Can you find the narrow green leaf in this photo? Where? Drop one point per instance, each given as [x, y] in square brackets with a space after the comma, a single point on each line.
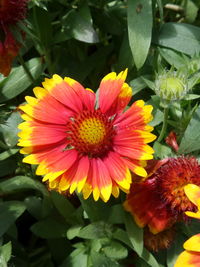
[5, 252]
[42, 27]
[175, 249]
[191, 138]
[18, 80]
[174, 58]
[8, 153]
[135, 234]
[19, 183]
[160, 7]
[9, 212]
[64, 207]
[137, 85]
[149, 258]
[140, 29]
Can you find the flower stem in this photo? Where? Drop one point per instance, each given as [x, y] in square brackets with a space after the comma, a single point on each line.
[26, 69]
[48, 62]
[164, 126]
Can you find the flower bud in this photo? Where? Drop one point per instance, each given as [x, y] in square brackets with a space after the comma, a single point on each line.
[171, 85]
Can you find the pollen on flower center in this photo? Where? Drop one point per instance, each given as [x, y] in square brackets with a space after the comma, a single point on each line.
[92, 130]
[91, 133]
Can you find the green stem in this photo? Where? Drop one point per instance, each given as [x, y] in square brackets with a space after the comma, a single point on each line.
[48, 62]
[164, 126]
[22, 62]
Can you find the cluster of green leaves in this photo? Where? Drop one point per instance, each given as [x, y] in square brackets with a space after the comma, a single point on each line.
[85, 39]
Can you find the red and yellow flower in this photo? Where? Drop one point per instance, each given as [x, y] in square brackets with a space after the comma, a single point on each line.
[79, 144]
[191, 256]
[160, 201]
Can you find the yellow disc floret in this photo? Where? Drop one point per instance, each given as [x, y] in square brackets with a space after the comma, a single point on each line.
[92, 131]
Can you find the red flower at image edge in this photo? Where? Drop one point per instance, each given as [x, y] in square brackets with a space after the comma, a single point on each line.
[160, 200]
[8, 51]
[82, 145]
[11, 11]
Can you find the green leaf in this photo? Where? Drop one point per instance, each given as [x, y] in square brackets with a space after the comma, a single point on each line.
[73, 231]
[9, 212]
[175, 249]
[95, 210]
[135, 234]
[5, 252]
[19, 183]
[9, 129]
[191, 96]
[78, 24]
[140, 29]
[182, 37]
[149, 258]
[116, 214]
[76, 257]
[42, 27]
[34, 206]
[160, 7]
[7, 166]
[64, 207]
[137, 85]
[18, 80]
[191, 11]
[125, 59]
[174, 58]
[8, 153]
[100, 260]
[122, 236]
[49, 228]
[191, 138]
[115, 251]
[162, 151]
[95, 230]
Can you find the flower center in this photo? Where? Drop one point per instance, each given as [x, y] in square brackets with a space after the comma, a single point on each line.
[91, 133]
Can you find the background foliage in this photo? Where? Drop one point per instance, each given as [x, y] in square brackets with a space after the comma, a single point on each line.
[85, 40]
